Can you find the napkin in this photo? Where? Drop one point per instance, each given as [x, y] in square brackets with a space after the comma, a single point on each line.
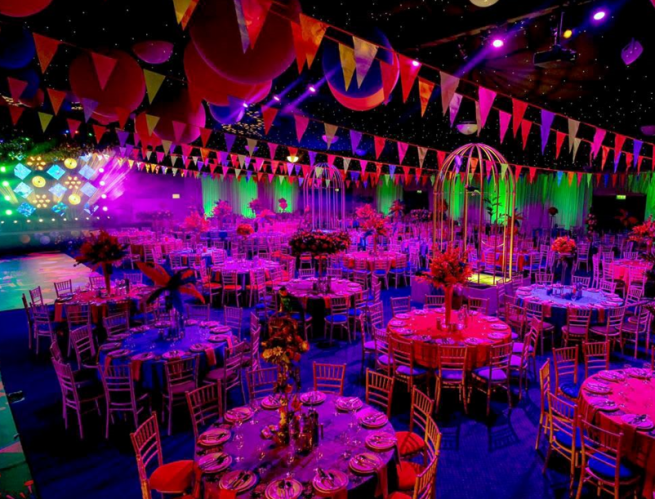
[135, 369]
[211, 355]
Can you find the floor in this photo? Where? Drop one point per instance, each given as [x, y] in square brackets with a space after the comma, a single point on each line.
[19, 275]
[481, 458]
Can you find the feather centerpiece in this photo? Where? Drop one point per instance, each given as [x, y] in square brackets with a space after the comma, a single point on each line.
[180, 283]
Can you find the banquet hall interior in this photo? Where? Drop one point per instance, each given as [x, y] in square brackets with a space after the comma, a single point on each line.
[292, 249]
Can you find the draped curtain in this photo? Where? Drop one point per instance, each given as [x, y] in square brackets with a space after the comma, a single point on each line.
[387, 194]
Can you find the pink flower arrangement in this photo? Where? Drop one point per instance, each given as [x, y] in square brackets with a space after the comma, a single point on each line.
[244, 230]
[371, 221]
[222, 209]
[283, 204]
[447, 270]
[196, 222]
[564, 245]
[397, 208]
[318, 242]
[255, 205]
[266, 215]
[643, 233]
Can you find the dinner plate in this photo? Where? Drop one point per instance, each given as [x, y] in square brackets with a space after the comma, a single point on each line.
[499, 327]
[373, 419]
[214, 462]
[313, 398]
[365, 463]
[121, 352]
[214, 436]
[330, 481]
[472, 341]
[604, 405]
[143, 356]
[396, 322]
[238, 414]
[284, 489]
[496, 336]
[611, 376]
[402, 316]
[270, 403]
[238, 481]
[599, 388]
[640, 421]
[491, 319]
[199, 347]
[110, 346]
[173, 354]
[347, 404]
[381, 441]
[636, 372]
[218, 338]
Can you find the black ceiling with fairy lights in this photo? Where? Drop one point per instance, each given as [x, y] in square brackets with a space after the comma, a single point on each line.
[599, 88]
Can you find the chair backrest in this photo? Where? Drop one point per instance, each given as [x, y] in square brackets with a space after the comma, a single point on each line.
[478, 304]
[566, 364]
[78, 314]
[425, 481]
[55, 352]
[582, 281]
[116, 324]
[261, 382]
[198, 312]
[329, 378]
[97, 281]
[135, 278]
[400, 305]
[63, 287]
[339, 305]
[603, 446]
[543, 278]
[36, 296]
[615, 318]
[515, 316]
[376, 314]
[545, 382]
[451, 358]
[422, 407]
[83, 344]
[500, 356]
[306, 273]
[432, 438]
[596, 357]
[434, 301]
[230, 278]
[119, 388]
[607, 286]
[178, 372]
[205, 405]
[67, 384]
[147, 447]
[563, 414]
[402, 352]
[234, 318]
[379, 390]
[578, 317]
[634, 294]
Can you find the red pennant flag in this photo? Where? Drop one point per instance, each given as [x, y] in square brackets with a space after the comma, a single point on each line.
[56, 99]
[268, 114]
[518, 171]
[606, 151]
[104, 67]
[301, 125]
[205, 133]
[441, 155]
[178, 129]
[504, 118]
[16, 87]
[619, 140]
[532, 173]
[123, 116]
[46, 48]
[15, 112]
[271, 150]
[409, 69]
[299, 45]
[518, 111]
[254, 13]
[389, 75]
[312, 31]
[425, 89]
[99, 131]
[379, 145]
[525, 131]
[73, 125]
[559, 140]
[486, 98]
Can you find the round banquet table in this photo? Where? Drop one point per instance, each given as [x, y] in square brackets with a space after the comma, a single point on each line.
[555, 306]
[146, 351]
[478, 335]
[342, 438]
[621, 268]
[351, 259]
[100, 304]
[188, 256]
[631, 395]
[165, 245]
[243, 268]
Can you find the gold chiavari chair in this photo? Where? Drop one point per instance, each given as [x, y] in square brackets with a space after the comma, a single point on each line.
[412, 442]
[329, 378]
[565, 361]
[205, 406]
[545, 387]
[379, 391]
[563, 433]
[452, 372]
[596, 356]
[496, 373]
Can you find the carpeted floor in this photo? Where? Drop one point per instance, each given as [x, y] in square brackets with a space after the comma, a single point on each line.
[480, 458]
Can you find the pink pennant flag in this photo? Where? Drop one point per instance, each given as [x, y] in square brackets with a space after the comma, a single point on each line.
[486, 98]
[504, 119]
[16, 87]
[518, 111]
[301, 125]
[271, 150]
[449, 85]
[454, 105]
[402, 150]
[599, 136]
[547, 118]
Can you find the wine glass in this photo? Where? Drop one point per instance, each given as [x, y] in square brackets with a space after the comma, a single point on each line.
[238, 439]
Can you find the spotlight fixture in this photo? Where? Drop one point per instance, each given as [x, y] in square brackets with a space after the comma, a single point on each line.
[416, 64]
[568, 33]
[312, 89]
[497, 43]
[292, 159]
[275, 97]
[599, 15]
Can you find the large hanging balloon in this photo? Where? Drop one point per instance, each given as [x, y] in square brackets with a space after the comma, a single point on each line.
[227, 115]
[215, 32]
[207, 84]
[371, 93]
[125, 88]
[16, 47]
[153, 51]
[22, 8]
[180, 119]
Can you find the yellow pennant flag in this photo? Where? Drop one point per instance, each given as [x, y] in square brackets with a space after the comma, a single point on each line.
[348, 63]
[45, 120]
[153, 83]
[151, 121]
[181, 6]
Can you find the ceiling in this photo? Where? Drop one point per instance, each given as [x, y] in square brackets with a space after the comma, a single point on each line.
[452, 35]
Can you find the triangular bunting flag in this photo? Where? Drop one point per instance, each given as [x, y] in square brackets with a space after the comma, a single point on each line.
[389, 75]
[153, 83]
[254, 14]
[205, 133]
[312, 34]
[73, 125]
[504, 119]
[402, 150]
[45, 119]
[449, 85]
[454, 105]
[425, 88]
[599, 136]
[409, 69]
[56, 99]
[518, 111]
[46, 48]
[422, 151]
[573, 132]
[229, 141]
[123, 115]
[330, 132]
[301, 125]
[379, 143]
[268, 113]
[547, 118]
[348, 64]
[365, 53]
[89, 106]
[99, 131]
[576, 145]
[181, 7]
[355, 139]
[559, 140]
[151, 122]
[486, 98]
[104, 67]
[16, 87]
[525, 131]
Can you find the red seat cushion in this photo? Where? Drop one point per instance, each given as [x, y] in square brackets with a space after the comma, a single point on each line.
[172, 478]
[409, 443]
[231, 287]
[407, 473]
[184, 387]
[398, 495]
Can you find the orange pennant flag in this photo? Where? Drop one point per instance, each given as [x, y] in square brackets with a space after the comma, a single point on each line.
[312, 33]
[425, 89]
[56, 99]
[348, 64]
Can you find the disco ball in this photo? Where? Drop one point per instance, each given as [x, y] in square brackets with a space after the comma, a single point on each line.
[483, 3]
[467, 128]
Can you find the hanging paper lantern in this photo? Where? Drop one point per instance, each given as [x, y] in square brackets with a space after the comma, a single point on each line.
[272, 54]
[227, 115]
[180, 119]
[16, 47]
[371, 93]
[125, 88]
[153, 51]
[70, 163]
[22, 8]
[207, 84]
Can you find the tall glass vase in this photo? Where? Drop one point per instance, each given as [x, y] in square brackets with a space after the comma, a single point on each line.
[448, 302]
[106, 272]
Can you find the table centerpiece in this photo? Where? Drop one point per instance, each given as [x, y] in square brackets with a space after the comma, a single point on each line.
[102, 250]
[565, 248]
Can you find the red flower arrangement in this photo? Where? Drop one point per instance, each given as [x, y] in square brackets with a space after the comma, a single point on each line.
[102, 250]
[447, 270]
[283, 204]
[244, 230]
[643, 233]
[552, 211]
[196, 222]
[222, 209]
[564, 245]
[318, 242]
[284, 345]
[397, 208]
[266, 215]
[255, 205]
[371, 221]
